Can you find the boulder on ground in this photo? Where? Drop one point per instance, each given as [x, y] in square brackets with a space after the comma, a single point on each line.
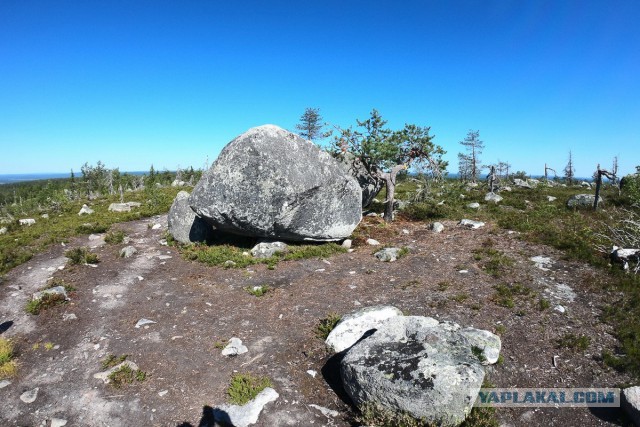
[355, 325]
[469, 223]
[56, 290]
[493, 197]
[271, 183]
[388, 254]
[268, 249]
[119, 207]
[85, 210]
[128, 252]
[583, 201]
[183, 223]
[415, 365]
[521, 183]
[247, 414]
[585, 184]
[28, 221]
[437, 227]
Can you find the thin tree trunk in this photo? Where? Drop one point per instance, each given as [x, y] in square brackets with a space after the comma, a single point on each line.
[390, 180]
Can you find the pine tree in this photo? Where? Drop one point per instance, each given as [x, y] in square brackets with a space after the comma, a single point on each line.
[569, 170]
[474, 147]
[311, 125]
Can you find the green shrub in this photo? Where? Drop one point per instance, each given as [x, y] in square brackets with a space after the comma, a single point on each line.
[114, 237]
[81, 255]
[126, 375]
[245, 387]
[574, 342]
[326, 325]
[35, 306]
[8, 366]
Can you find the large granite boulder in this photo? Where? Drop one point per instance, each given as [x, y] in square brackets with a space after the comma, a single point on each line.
[583, 201]
[354, 326]
[369, 183]
[184, 225]
[419, 366]
[271, 183]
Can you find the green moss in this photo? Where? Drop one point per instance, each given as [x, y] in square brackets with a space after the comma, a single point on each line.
[326, 325]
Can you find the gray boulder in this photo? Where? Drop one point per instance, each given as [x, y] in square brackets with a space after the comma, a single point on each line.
[493, 197]
[388, 254]
[521, 183]
[417, 366]
[119, 207]
[583, 201]
[128, 252]
[437, 227]
[183, 223]
[268, 249]
[469, 223]
[271, 183]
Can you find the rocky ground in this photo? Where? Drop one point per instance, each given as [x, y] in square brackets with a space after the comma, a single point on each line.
[196, 307]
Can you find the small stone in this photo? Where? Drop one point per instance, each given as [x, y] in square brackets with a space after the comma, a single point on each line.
[312, 373]
[119, 207]
[58, 422]
[437, 227]
[143, 322]
[388, 254]
[156, 226]
[559, 308]
[29, 396]
[234, 347]
[474, 205]
[471, 224]
[4, 383]
[373, 242]
[405, 231]
[551, 198]
[3, 230]
[346, 244]
[69, 316]
[163, 393]
[229, 263]
[29, 221]
[45, 216]
[58, 290]
[493, 197]
[128, 252]
[86, 210]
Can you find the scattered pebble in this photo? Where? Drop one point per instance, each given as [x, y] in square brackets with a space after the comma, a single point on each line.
[559, 308]
[143, 322]
[234, 347]
[29, 396]
[325, 411]
[163, 393]
[156, 226]
[4, 383]
[312, 373]
[373, 242]
[58, 422]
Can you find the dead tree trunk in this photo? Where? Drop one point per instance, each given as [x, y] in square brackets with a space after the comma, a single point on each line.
[599, 174]
[390, 181]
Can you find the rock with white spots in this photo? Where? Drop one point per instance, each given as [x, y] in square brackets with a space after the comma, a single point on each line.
[437, 227]
[128, 252]
[268, 249]
[493, 198]
[388, 254]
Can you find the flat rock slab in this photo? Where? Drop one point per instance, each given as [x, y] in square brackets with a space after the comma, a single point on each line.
[354, 325]
[245, 415]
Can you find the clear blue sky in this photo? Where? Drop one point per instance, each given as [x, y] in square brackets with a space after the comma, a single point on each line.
[133, 83]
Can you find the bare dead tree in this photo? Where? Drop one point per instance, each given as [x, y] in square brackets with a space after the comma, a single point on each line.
[546, 172]
[599, 174]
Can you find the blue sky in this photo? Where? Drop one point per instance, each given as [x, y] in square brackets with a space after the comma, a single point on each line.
[168, 83]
